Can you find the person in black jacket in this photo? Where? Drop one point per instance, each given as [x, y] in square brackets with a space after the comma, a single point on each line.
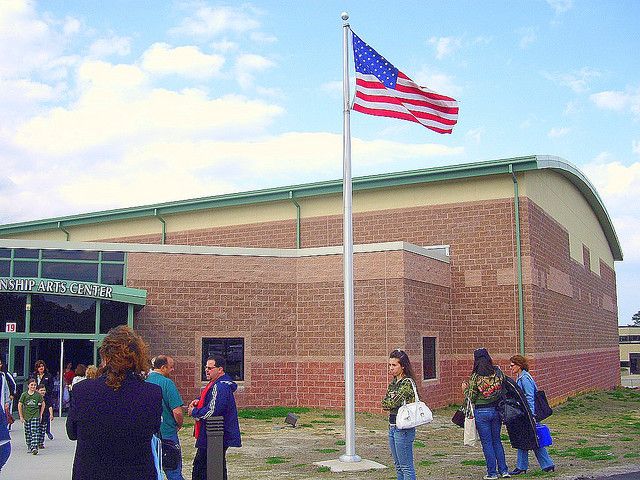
[114, 416]
[43, 377]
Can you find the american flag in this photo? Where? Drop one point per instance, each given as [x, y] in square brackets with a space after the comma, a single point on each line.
[383, 90]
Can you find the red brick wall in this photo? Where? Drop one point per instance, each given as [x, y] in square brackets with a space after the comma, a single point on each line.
[569, 310]
[290, 312]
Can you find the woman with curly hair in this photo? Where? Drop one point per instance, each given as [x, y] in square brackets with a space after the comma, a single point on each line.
[114, 416]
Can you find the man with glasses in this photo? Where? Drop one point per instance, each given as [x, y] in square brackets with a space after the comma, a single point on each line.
[215, 400]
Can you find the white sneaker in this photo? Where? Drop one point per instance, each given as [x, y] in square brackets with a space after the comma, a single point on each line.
[505, 475]
[490, 477]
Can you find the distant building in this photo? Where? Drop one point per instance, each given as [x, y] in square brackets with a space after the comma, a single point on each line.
[513, 255]
[630, 348]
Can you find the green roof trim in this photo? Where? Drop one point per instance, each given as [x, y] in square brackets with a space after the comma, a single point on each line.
[427, 175]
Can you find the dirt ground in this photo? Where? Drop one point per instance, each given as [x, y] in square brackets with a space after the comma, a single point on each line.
[592, 433]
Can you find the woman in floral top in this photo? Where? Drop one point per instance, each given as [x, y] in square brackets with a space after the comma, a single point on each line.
[400, 391]
[484, 389]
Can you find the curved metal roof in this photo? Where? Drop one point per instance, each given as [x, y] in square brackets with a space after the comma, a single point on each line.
[427, 175]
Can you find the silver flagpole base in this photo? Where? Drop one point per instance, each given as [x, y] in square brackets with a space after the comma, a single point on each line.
[350, 458]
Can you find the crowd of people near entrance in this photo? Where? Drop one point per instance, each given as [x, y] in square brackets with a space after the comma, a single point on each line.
[126, 415]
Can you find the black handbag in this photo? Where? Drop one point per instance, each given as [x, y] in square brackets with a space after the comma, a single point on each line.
[509, 410]
[543, 410]
[170, 455]
[458, 417]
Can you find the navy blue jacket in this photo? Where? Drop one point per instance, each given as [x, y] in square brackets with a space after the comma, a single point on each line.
[220, 401]
[114, 429]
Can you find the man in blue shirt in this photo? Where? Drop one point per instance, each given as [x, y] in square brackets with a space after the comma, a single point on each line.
[172, 417]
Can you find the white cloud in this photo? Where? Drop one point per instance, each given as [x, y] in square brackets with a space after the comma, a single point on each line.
[635, 146]
[117, 106]
[528, 35]
[578, 81]
[27, 41]
[209, 22]
[619, 187]
[558, 132]
[445, 46]
[187, 61]
[261, 37]
[438, 82]
[561, 6]
[247, 65]
[224, 46]
[475, 134]
[112, 45]
[618, 101]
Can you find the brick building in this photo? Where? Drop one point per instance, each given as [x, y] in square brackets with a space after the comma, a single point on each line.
[514, 255]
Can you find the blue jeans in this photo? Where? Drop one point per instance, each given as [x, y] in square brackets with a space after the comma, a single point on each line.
[488, 424]
[541, 454]
[401, 446]
[177, 473]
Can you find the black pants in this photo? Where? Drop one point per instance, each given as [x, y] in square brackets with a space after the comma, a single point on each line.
[199, 471]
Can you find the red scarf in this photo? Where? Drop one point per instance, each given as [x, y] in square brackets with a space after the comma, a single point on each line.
[196, 431]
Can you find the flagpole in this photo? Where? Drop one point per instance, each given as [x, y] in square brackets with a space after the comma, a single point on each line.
[349, 360]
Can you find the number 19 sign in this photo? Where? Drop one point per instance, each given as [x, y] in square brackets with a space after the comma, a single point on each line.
[10, 327]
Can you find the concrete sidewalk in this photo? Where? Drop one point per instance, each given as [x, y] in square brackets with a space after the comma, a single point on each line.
[52, 463]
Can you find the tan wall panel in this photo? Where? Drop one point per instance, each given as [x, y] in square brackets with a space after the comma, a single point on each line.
[565, 204]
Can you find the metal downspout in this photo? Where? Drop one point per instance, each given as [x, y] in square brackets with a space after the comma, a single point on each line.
[297, 218]
[64, 231]
[516, 206]
[164, 225]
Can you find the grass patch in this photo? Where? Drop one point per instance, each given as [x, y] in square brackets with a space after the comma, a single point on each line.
[478, 463]
[340, 442]
[581, 441]
[504, 438]
[631, 455]
[419, 444]
[276, 460]
[269, 413]
[626, 439]
[322, 421]
[300, 465]
[327, 450]
[585, 453]
[323, 469]
[426, 463]
[439, 454]
[331, 415]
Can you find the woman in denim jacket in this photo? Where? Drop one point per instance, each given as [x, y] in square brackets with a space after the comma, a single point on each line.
[400, 391]
[520, 369]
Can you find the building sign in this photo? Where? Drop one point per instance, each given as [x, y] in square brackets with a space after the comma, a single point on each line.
[10, 327]
[58, 287]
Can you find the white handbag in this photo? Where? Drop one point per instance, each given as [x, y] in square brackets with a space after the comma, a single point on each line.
[470, 430]
[411, 415]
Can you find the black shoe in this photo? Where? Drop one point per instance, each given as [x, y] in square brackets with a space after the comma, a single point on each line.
[517, 471]
[552, 468]
[50, 436]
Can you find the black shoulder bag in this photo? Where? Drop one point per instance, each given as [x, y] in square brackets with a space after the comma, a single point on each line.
[543, 410]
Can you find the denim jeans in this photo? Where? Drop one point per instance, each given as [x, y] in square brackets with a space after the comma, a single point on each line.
[488, 424]
[401, 446]
[5, 452]
[541, 454]
[177, 473]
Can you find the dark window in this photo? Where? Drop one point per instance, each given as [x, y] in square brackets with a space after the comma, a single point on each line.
[83, 272]
[5, 268]
[112, 314]
[112, 274]
[428, 357]
[231, 349]
[5, 253]
[13, 308]
[62, 314]
[113, 256]
[624, 338]
[70, 254]
[25, 269]
[25, 253]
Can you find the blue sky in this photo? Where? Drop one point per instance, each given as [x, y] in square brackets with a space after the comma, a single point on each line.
[123, 103]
